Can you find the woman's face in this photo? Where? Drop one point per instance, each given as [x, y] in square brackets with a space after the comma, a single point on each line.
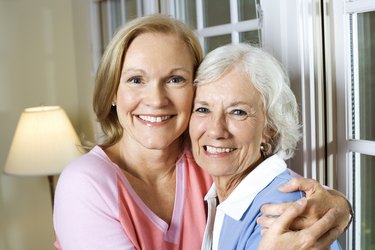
[155, 93]
[227, 125]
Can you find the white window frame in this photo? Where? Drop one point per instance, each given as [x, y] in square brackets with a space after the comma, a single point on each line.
[347, 147]
[291, 32]
[233, 28]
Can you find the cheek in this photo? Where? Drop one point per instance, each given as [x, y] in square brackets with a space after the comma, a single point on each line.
[126, 100]
[250, 137]
[185, 100]
[196, 127]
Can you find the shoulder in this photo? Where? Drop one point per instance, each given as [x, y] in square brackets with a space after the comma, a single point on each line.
[93, 165]
[90, 175]
[271, 193]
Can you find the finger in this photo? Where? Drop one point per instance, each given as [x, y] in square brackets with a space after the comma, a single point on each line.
[266, 222]
[322, 226]
[283, 222]
[302, 184]
[263, 231]
[328, 238]
[302, 222]
[274, 209]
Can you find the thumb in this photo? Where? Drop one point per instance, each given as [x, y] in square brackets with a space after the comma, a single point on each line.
[290, 186]
[307, 185]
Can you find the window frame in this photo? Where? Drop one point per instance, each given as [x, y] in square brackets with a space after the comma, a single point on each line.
[346, 64]
[234, 28]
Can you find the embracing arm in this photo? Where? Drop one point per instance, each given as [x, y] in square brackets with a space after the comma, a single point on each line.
[319, 202]
[320, 235]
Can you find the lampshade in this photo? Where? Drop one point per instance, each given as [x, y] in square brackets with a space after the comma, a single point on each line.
[44, 142]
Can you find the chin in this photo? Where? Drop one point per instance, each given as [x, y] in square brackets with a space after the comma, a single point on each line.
[158, 144]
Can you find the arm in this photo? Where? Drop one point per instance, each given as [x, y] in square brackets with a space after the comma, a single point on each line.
[85, 212]
[319, 202]
[318, 236]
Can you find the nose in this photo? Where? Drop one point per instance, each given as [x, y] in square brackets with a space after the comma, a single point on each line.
[156, 96]
[218, 128]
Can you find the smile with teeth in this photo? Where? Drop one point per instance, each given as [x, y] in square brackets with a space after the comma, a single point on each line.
[154, 118]
[214, 150]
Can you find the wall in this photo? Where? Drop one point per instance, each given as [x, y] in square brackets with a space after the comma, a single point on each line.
[44, 59]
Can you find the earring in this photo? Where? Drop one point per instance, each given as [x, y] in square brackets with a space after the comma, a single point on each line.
[113, 104]
[266, 149]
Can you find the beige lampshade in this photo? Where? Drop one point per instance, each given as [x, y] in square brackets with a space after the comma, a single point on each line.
[43, 144]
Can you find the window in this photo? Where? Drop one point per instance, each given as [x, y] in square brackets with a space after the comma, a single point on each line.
[216, 22]
[355, 74]
[219, 22]
[362, 124]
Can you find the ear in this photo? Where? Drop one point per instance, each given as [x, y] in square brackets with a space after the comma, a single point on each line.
[268, 134]
[114, 103]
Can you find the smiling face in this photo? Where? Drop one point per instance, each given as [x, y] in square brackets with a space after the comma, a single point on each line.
[227, 125]
[155, 93]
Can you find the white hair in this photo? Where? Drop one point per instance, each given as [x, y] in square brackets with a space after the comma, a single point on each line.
[269, 78]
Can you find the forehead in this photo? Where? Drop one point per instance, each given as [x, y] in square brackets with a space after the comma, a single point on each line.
[158, 44]
[233, 86]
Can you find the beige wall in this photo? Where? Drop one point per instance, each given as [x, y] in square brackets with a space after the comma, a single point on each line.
[44, 59]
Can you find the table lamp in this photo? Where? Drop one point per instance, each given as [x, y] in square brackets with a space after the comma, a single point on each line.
[43, 144]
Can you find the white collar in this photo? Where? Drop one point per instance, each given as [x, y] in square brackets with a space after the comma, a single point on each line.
[239, 200]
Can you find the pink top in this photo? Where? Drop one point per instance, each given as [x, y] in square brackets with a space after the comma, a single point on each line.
[96, 208]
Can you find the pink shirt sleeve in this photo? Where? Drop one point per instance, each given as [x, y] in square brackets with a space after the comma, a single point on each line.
[86, 207]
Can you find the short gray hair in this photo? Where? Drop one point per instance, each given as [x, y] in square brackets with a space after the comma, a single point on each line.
[270, 79]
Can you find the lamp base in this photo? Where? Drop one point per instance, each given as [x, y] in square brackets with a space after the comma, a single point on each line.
[51, 183]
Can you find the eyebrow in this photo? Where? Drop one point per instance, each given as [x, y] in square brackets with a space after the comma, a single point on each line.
[201, 103]
[144, 72]
[236, 103]
[132, 70]
[240, 103]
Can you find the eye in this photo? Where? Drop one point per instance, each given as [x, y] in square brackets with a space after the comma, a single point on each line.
[176, 80]
[135, 80]
[238, 112]
[201, 110]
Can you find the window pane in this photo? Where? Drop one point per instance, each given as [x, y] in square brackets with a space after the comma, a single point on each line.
[367, 201]
[213, 42]
[216, 12]
[246, 10]
[116, 12]
[130, 9]
[122, 12]
[251, 37]
[364, 109]
[186, 12]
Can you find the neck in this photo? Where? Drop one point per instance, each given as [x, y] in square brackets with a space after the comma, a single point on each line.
[226, 184]
[148, 165]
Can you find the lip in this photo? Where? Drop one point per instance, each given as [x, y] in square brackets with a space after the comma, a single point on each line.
[154, 120]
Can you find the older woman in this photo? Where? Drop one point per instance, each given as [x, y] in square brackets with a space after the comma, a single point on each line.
[244, 125]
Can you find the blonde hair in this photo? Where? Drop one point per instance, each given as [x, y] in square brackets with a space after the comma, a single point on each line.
[109, 71]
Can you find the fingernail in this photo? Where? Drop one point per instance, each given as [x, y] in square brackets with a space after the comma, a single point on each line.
[301, 201]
